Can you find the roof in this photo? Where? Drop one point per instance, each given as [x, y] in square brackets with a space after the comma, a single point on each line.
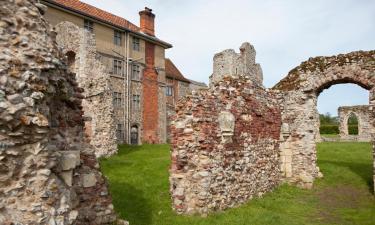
[172, 72]
[104, 16]
[198, 83]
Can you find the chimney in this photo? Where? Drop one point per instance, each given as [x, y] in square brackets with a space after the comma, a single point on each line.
[147, 21]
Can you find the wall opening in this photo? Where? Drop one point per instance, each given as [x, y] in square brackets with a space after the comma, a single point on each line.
[70, 59]
[329, 103]
[134, 135]
[352, 124]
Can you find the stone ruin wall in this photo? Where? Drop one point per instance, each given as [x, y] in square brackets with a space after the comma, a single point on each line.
[230, 63]
[362, 112]
[216, 136]
[100, 127]
[225, 143]
[298, 93]
[48, 174]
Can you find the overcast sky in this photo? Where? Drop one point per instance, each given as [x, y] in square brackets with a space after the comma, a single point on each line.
[284, 33]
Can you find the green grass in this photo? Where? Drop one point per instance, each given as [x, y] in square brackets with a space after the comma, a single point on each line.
[138, 178]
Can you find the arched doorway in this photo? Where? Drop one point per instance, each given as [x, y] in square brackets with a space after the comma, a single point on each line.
[298, 97]
[71, 59]
[134, 135]
[353, 124]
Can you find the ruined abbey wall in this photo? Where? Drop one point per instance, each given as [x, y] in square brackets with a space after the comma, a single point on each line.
[362, 112]
[225, 143]
[298, 94]
[48, 173]
[78, 45]
[238, 140]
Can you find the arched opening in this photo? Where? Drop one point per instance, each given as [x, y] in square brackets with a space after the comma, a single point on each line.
[352, 124]
[300, 117]
[337, 107]
[134, 135]
[70, 60]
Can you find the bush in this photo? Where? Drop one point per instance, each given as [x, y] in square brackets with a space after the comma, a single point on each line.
[353, 129]
[334, 129]
[329, 129]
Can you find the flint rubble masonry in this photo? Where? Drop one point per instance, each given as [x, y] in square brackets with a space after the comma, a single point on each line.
[238, 140]
[100, 126]
[44, 158]
[225, 140]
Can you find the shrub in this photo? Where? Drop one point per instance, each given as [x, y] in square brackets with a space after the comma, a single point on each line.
[334, 129]
[353, 129]
[329, 129]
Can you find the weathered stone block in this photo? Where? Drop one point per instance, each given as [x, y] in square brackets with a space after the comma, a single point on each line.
[67, 176]
[69, 160]
[88, 180]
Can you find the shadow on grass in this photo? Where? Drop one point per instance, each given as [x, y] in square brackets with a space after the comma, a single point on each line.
[130, 203]
[363, 170]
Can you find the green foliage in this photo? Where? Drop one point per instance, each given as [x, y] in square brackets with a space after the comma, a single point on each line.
[138, 179]
[353, 129]
[352, 119]
[329, 129]
[327, 119]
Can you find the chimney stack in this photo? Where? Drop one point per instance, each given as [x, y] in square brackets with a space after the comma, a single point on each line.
[147, 21]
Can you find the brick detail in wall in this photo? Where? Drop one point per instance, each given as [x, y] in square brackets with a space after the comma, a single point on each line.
[150, 94]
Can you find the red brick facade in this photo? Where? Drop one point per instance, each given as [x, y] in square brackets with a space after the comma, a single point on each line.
[150, 95]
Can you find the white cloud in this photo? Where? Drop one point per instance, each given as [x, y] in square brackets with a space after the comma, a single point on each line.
[284, 33]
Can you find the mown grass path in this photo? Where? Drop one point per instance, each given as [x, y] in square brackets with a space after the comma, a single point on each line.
[138, 178]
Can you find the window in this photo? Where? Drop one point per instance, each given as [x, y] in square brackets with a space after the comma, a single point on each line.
[136, 72]
[88, 25]
[117, 38]
[136, 102]
[136, 46]
[117, 67]
[117, 99]
[120, 132]
[169, 91]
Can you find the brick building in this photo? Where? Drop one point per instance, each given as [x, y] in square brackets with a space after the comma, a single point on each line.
[135, 61]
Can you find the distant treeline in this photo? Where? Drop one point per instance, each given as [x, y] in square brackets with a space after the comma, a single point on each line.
[330, 124]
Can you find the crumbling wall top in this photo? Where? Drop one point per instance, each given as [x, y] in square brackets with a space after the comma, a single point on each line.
[230, 63]
[310, 70]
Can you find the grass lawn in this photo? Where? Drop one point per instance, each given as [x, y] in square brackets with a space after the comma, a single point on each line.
[138, 178]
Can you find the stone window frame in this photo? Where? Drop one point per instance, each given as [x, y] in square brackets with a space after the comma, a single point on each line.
[117, 67]
[117, 37]
[88, 25]
[169, 91]
[136, 71]
[136, 102]
[117, 99]
[136, 44]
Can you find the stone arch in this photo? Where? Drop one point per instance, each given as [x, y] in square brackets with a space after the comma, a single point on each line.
[362, 112]
[79, 46]
[298, 93]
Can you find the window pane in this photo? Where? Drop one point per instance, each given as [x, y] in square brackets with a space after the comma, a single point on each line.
[88, 25]
[117, 38]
